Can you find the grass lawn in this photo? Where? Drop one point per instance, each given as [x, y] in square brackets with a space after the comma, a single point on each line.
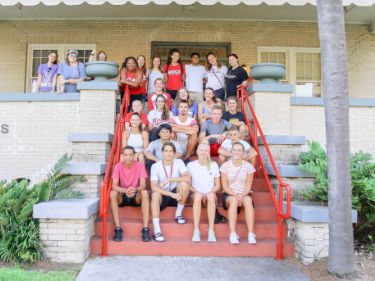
[18, 274]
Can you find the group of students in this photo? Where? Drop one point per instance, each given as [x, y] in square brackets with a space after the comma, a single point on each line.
[161, 143]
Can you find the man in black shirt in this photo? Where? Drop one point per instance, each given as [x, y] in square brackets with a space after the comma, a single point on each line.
[235, 117]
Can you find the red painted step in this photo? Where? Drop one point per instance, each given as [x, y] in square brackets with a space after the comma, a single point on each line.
[182, 247]
[170, 229]
[262, 213]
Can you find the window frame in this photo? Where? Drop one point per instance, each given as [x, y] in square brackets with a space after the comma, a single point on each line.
[62, 49]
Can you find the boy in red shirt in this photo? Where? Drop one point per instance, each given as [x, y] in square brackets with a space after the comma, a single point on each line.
[129, 189]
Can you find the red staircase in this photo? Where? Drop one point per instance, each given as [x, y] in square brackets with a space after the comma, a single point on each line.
[269, 227]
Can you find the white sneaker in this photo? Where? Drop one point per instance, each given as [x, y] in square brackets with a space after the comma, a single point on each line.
[251, 238]
[211, 236]
[233, 238]
[196, 236]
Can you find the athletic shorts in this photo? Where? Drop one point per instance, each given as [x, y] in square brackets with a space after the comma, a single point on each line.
[128, 201]
[167, 201]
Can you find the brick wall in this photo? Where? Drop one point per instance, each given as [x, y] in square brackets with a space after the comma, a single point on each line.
[37, 136]
[123, 38]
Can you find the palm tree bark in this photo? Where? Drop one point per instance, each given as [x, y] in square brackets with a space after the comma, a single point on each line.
[336, 108]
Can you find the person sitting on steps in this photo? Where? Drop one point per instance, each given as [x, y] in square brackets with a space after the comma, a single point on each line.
[236, 179]
[129, 189]
[186, 129]
[225, 150]
[170, 183]
[205, 183]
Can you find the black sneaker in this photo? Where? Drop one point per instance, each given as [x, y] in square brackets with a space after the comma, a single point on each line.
[118, 234]
[146, 234]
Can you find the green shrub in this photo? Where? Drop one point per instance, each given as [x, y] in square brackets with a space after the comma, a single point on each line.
[19, 232]
[315, 162]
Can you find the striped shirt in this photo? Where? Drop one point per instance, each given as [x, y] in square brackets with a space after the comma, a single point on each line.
[237, 184]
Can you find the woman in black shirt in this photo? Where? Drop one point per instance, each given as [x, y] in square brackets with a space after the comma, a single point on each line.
[235, 76]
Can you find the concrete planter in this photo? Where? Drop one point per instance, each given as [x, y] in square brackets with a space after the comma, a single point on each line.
[268, 72]
[101, 70]
[309, 230]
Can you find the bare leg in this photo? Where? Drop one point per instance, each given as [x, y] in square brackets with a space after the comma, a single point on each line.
[143, 198]
[183, 190]
[211, 208]
[190, 146]
[232, 204]
[114, 196]
[141, 157]
[249, 213]
[197, 206]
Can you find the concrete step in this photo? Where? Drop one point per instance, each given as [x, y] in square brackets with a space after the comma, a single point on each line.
[183, 247]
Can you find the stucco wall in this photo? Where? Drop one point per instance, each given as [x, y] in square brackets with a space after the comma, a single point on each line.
[122, 38]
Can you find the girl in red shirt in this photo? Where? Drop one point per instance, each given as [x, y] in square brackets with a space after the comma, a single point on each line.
[132, 76]
[159, 90]
[141, 60]
[174, 73]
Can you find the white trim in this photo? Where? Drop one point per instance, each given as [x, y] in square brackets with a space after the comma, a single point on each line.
[179, 2]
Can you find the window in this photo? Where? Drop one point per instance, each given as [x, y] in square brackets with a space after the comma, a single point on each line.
[302, 64]
[186, 48]
[38, 54]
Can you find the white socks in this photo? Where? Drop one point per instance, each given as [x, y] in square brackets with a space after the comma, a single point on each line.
[179, 210]
[155, 221]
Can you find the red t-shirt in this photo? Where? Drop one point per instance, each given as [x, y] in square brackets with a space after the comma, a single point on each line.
[143, 117]
[152, 101]
[130, 76]
[174, 76]
[129, 177]
[144, 82]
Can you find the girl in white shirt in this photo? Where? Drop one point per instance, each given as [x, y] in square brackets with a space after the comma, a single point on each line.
[237, 178]
[205, 177]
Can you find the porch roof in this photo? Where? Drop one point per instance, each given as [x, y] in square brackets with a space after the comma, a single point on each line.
[356, 11]
[179, 2]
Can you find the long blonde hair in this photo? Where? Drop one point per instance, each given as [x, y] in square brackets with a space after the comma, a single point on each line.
[208, 157]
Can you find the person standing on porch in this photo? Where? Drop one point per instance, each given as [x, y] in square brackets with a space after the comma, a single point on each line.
[47, 74]
[154, 73]
[170, 183]
[235, 76]
[132, 76]
[186, 129]
[195, 75]
[129, 189]
[205, 184]
[141, 60]
[174, 73]
[71, 71]
[159, 90]
[215, 73]
[236, 179]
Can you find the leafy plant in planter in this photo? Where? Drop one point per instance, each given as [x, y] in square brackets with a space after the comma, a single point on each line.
[315, 162]
[19, 232]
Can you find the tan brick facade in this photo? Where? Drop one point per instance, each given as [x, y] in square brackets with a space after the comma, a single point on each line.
[123, 38]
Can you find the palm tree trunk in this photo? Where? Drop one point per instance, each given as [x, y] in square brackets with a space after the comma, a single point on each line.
[336, 109]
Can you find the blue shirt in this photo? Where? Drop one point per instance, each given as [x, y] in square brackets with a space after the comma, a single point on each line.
[71, 72]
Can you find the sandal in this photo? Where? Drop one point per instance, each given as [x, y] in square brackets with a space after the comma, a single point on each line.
[180, 220]
[158, 237]
[219, 218]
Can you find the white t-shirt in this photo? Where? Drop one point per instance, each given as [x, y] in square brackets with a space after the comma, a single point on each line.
[194, 77]
[190, 122]
[154, 117]
[227, 145]
[203, 178]
[159, 175]
[212, 81]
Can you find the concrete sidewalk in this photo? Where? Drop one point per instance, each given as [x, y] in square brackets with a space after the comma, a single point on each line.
[127, 268]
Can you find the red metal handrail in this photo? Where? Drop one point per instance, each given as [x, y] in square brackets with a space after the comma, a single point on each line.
[244, 99]
[114, 157]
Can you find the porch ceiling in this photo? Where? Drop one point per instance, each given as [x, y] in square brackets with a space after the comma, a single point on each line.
[285, 12]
